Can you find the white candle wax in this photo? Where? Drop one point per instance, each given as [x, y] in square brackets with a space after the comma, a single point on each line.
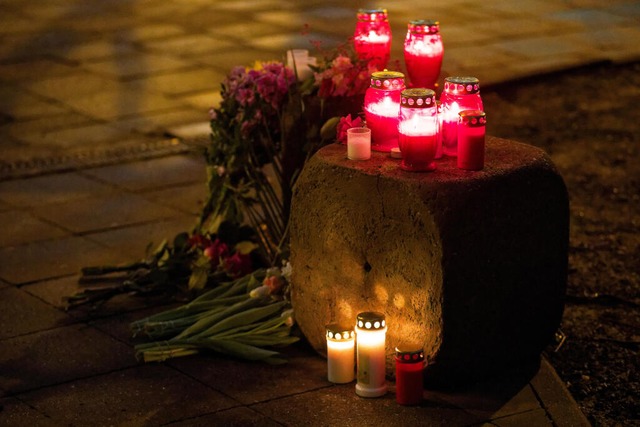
[359, 143]
[371, 357]
[341, 361]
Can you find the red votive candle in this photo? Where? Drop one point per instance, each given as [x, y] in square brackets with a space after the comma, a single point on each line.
[423, 53]
[409, 375]
[382, 109]
[459, 94]
[471, 133]
[372, 37]
[417, 130]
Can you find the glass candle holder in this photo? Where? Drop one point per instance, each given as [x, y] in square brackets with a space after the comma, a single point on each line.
[340, 354]
[359, 143]
[418, 129]
[439, 134]
[459, 93]
[409, 375]
[371, 330]
[372, 37]
[471, 134]
[382, 109]
[423, 52]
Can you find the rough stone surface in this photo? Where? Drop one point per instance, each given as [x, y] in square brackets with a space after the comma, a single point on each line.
[472, 265]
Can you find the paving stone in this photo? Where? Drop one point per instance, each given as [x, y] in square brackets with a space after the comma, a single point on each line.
[536, 418]
[124, 310]
[112, 105]
[22, 313]
[136, 65]
[159, 123]
[73, 137]
[134, 240]
[17, 413]
[365, 237]
[556, 399]
[185, 82]
[188, 198]
[20, 105]
[33, 69]
[189, 45]
[156, 173]
[36, 128]
[115, 210]
[300, 374]
[59, 355]
[78, 85]
[144, 395]
[42, 190]
[25, 228]
[235, 417]
[340, 406]
[52, 258]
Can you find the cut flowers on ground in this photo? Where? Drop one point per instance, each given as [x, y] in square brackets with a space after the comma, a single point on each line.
[232, 267]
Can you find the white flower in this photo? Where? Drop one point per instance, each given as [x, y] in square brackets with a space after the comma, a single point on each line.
[260, 292]
[289, 315]
[286, 270]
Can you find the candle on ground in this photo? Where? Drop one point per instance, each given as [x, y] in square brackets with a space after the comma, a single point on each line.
[371, 332]
[340, 354]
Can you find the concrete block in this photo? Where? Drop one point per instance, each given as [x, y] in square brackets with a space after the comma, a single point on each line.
[472, 265]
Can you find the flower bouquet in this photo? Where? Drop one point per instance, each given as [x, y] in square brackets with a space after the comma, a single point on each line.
[233, 262]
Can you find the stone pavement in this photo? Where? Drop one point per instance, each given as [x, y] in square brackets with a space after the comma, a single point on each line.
[95, 97]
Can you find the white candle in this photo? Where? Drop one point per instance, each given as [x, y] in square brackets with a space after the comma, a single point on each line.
[299, 60]
[371, 332]
[359, 143]
[340, 354]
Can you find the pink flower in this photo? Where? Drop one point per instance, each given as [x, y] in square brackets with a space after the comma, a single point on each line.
[237, 265]
[198, 241]
[215, 251]
[344, 124]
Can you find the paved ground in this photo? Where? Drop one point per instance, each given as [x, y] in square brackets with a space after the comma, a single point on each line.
[88, 85]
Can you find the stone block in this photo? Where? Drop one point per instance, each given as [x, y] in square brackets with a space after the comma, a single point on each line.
[472, 265]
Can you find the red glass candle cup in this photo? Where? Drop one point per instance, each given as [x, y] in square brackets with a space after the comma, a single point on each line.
[418, 129]
[459, 93]
[423, 53]
[471, 132]
[382, 109]
[409, 375]
[372, 37]
[439, 134]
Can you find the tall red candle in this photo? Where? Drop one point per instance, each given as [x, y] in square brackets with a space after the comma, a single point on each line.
[382, 108]
[423, 53]
[460, 93]
[471, 133]
[409, 375]
[418, 129]
[372, 37]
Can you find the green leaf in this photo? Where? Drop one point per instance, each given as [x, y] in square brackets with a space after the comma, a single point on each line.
[245, 248]
[245, 317]
[200, 273]
[328, 130]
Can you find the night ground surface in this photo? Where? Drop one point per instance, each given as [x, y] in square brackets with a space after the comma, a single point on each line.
[588, 120]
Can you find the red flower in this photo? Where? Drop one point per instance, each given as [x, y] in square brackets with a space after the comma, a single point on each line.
[274, 283]
[199, 241]
[344, 124]
[215, 251]
[237, 265]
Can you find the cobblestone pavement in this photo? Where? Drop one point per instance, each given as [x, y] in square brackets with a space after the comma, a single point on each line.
[87, 85]
[86, 81]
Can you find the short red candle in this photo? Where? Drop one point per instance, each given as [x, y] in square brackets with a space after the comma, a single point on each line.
[372, 37]
[382, 108]
[423, 53]
[409, 375]
[418, 129]
[471, 133]
[460, 93]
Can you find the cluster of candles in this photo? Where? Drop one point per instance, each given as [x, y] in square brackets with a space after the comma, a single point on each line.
[411, 121]
[368, 340]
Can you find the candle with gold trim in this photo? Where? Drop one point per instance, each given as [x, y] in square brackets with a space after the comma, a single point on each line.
[340, 354]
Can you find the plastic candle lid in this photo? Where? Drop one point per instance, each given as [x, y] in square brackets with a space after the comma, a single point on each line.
[339, 332]
[371, 320]
[473, 118]
[410, 354]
